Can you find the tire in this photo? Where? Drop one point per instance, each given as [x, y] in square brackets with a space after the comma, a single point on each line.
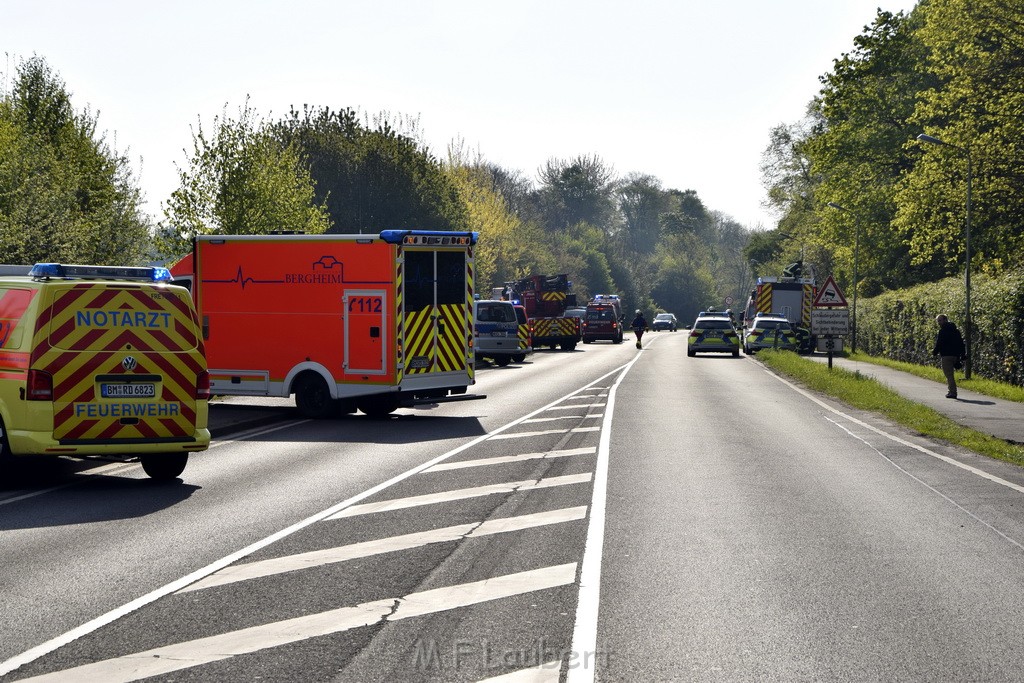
[736, 352]
[691, 354]
[313, 398]
[7, 459]
[519, 358]
[568, 346]
[164, 466]
[618, 339]
[588, 340]
[379, 405]
[502, 361]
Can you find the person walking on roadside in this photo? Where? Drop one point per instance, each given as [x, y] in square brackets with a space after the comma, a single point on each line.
[949, 347]
[639, 324]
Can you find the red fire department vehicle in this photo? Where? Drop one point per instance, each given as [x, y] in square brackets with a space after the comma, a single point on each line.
[545, 298]
[343, 322]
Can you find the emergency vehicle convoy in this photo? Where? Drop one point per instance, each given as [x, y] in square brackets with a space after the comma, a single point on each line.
[101, 361]
[546, 297]
[791, 296]
[343, 322]
[603, 319]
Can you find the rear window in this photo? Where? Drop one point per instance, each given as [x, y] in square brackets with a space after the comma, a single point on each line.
[496, 313]
[713, 324]
[601, 314]
[87, 317]
[771, 325]
[13, 304]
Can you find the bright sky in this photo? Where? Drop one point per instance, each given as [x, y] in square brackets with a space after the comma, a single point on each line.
[683, 90]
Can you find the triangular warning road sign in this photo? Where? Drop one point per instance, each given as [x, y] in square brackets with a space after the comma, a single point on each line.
[830, 294]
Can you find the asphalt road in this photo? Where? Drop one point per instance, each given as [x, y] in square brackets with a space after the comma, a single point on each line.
[602, 514]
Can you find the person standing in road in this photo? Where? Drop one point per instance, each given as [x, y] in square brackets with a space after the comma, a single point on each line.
[949, 347]
[639, 325]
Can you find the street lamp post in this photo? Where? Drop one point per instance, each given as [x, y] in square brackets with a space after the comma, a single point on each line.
[856, 250]
[967, 248]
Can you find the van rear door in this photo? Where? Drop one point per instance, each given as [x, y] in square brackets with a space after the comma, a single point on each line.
[125, 361]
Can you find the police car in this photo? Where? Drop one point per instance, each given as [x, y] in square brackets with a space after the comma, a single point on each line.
[713, 332]
[770, 331]
[101, 361]
[496, 331]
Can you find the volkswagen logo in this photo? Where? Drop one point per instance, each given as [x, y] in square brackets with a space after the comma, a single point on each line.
[129, 363]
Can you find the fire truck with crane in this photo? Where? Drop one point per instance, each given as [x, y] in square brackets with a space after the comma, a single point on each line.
[791, 295]
[545, 298]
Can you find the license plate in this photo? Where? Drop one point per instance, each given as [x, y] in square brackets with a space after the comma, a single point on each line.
[499, 333]
[139, 390]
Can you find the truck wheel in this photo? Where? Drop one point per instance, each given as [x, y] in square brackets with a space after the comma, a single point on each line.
[502, 361]
[312, 397]
[568, 346]
[379, 405]
[618, 339]
[587, 340]
[164, 466]
[519, 357]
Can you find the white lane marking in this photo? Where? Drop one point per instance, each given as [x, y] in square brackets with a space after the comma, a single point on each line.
[164, 660]
[38, 651]
[548, 672]
[577, 406]
[319, 558]
[460, 494]
[502, 459]
[579, 397]
[577, 430]
[524, 435]
[564, 417]
[584, 635]
[892, 437]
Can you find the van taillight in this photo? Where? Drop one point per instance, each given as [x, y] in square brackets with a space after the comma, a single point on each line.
[40, 386]
[203, 385]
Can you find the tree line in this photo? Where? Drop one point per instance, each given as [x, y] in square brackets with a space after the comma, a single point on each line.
[852, 181]
[67, 195]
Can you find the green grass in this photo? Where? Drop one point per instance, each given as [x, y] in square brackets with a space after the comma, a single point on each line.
[868, 394]
[1007, 392]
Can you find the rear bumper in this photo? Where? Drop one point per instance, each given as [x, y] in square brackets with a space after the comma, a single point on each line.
[43, 443]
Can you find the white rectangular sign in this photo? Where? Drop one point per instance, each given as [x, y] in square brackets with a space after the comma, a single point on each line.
[835, 321]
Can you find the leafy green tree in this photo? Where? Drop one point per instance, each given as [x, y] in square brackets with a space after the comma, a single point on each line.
[857, 155]
[240, 180]
[976, 50]
[65, 195]
[372, 180]
[642, 202]
[579, 190]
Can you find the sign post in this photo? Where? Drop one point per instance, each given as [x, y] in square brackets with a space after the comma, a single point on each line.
[830, 316]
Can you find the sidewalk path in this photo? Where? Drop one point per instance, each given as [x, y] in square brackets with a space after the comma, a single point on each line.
[986, 414]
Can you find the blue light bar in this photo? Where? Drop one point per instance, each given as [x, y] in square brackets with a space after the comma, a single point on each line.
[59, 271]
[429, 237]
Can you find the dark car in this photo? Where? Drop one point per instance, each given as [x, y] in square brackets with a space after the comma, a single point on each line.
[665, 321]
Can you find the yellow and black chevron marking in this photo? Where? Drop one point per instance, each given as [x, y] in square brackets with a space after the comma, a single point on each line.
[467, 329]
[419, 341]
[524, 336]
[403, 351]
[449, 352]
[552, 296]
[764, 299]
[554, 327]
[93, 330]
[805, 309]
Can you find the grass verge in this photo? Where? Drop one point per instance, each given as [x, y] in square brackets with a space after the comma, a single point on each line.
[1007, 392]
[868, 394]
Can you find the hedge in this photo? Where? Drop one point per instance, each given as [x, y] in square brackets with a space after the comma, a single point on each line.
[901, 324]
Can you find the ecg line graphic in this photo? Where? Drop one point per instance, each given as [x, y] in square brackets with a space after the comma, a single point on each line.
[324, 263]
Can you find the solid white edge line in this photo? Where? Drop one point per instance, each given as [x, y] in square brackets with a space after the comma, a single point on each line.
[892, 437]
[88, 627]
[584, 636]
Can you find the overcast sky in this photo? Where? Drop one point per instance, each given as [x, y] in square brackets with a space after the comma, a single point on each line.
[683, 90]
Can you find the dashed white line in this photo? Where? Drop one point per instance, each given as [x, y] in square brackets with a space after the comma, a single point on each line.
[164, 660]
[460, 494]
[319, 558]
[503, 459]
[564, 417]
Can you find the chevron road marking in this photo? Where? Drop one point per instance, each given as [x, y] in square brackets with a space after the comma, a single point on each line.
[318, 558]
[502, 459]
[164, 660]
[460, 494]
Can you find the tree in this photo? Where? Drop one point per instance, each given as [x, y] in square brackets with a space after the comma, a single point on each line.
[65, 195]
[240, 180]
[642, 202]
[576, 191]
[976, 50]
[372, 179]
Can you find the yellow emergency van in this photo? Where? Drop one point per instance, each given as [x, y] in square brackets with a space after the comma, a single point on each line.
[101, 361]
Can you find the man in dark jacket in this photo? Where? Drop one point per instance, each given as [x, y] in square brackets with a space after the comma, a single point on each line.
[949, 347]
[639, 326]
